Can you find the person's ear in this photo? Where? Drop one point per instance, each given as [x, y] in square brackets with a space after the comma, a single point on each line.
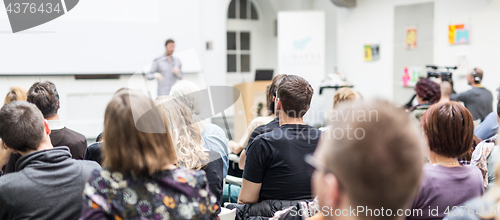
[278, 104]
[46, 127]
[274, 98]
[58, 104]
[334, 192]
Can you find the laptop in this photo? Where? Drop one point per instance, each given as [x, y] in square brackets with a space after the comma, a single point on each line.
[264, 75]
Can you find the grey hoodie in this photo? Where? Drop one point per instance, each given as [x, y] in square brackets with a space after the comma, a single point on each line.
[48, 184]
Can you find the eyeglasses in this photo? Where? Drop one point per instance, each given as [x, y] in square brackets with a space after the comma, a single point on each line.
[314, 164]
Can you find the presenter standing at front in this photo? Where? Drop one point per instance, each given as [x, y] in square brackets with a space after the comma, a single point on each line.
[166, 69]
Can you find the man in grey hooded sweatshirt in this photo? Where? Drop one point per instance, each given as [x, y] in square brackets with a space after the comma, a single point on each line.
[48, 183]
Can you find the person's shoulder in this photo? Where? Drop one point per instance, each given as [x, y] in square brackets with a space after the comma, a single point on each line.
[95, 146]
[11, 181]
[476, 205]
[194, 178]
[160, 58]
[88, 166]
[73, 135]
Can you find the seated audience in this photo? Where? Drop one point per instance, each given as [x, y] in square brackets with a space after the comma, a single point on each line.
[237, 147]
[186, 136]
[16, 93]
[213, 137]
[93, 151]
[48, 183]
[428, 93]
[274, 167]
[343, 95]
[488, 128]
[140, 180]
[477, 100]
[448, 128]
[380, 171]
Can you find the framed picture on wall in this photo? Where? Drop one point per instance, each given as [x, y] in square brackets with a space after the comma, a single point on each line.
[411, 38]
[459, 34]
[372, 52]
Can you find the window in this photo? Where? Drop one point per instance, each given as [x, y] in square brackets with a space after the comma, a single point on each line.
[238, 52]
[242, 9]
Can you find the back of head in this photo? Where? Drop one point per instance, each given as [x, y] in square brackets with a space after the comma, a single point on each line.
[21, 126]
[449, 128]
[477, 75]
[187, 92]
[45, 96]
[135, 146]
[344, 94]
[446, 89]
[185, 132]
[271, 92]
[428, 90]
[295, 94]
[379, 164]
[16, 93]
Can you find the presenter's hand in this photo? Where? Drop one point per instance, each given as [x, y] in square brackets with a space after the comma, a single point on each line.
[4, 154]
[158, 76]
[176, 70]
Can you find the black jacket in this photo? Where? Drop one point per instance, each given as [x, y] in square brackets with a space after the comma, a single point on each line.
[261, 210]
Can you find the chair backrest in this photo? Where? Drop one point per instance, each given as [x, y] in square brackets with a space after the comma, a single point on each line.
[227, 214]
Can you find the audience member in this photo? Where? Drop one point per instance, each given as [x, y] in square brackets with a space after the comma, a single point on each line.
[274, 167]
[237, 147]
[428, 93]
[48, 183]
[140, 179]
[94, 151]
[16, 93]
[186, 136]
[478, 100]
[379, 171]
[213, 137]
[446, 91]
[449, 132]
[45, 96]
[488, 128]
[344, 94]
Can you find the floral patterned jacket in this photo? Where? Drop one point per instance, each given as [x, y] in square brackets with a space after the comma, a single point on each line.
[169, 194]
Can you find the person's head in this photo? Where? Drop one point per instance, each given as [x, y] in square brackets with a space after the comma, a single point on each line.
[45, 96]
[294, 96]
[427, 91]
[446, 90]
[449, 129]
[343, 95]
[271, 93]
[22, 126]
[379, 164]
[475, 76]
[169, 47]
[135, 147]
[16, 93]
[185, 132]
[188, 93]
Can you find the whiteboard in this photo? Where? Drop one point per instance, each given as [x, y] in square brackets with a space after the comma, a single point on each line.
[103, 37]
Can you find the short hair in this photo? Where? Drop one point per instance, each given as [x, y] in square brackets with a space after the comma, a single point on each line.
[271, 92]
[380, 165]
[449, 128]
[446, 89]
[45, 96]
[21, 126]
[428, 90]
[477, 73]
[295, 94]
[169, 41]
[16, 93]
[344, 94]
[138, 148]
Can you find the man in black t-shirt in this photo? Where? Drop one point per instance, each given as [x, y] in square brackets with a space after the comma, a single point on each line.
[256, 132]
[275, 168]
[478, 100]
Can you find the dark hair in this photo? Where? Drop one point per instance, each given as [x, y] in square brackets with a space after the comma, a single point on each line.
[271, 92]
[382, 165]
[449, 128]
[498, 102]
[21, 126]
[169, 41]
[295, 94]
[428, 90]
[45, 96]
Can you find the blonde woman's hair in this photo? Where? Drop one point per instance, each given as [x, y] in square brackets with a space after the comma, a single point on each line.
[186, 133]
[16, 93]
[344, 94]
[189, 94]
[137, 147]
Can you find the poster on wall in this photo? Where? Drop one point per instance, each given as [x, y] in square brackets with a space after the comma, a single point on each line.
[411, 38]
[372, 52]
[458, 34]
[412, 75]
